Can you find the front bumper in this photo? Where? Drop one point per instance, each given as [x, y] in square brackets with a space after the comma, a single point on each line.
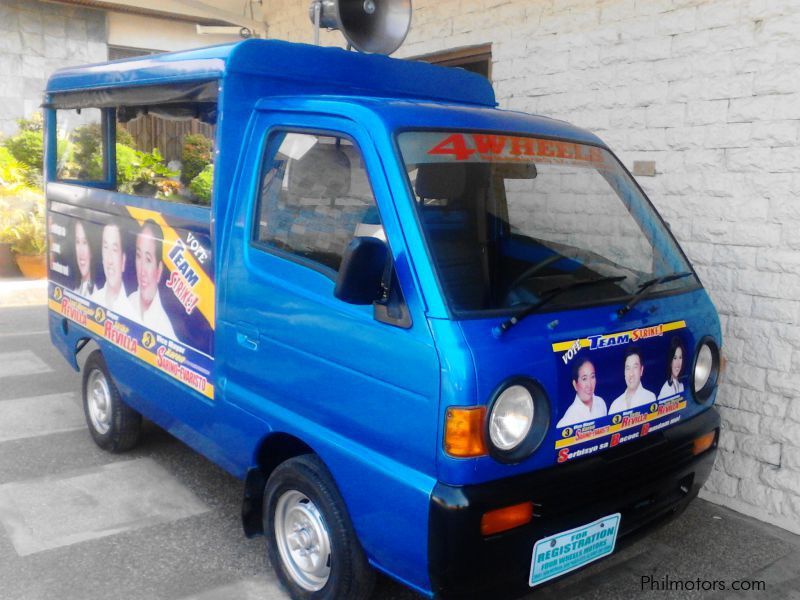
[646, 481]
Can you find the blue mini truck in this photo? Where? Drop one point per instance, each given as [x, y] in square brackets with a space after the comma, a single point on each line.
[451, 343]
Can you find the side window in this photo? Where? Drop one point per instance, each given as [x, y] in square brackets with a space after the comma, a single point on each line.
[167, 151]
[315, 197]
[80, 145]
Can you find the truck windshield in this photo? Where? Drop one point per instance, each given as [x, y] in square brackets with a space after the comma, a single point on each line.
[510, 219]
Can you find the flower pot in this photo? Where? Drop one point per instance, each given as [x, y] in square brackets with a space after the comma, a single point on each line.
[8, 268]
[32, 267]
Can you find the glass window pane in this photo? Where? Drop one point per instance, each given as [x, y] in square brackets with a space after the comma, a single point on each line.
[315, 197]
[80, 145]
[166, 152]
[511, 220]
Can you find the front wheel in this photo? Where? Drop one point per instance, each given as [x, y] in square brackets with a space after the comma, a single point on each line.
[310, 540]
[113, 424]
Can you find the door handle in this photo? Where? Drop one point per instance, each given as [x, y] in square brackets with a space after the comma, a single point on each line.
[247, 337]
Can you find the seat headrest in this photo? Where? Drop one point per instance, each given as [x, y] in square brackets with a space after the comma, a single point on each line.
[322, 172]
[441, 181]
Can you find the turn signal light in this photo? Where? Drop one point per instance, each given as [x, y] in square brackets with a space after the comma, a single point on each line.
[463, 436]
[506, 518]
[704, 442]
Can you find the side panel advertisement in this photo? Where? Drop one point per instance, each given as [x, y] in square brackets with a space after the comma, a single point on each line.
[140, 281]
[624, 385]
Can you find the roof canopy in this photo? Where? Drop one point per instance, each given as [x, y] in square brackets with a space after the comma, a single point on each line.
[326, 70]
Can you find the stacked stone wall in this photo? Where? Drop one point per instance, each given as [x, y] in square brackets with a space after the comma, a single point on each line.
[708, 89]
[36, 38]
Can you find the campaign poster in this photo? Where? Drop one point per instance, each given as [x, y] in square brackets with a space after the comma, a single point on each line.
[140, 280]
[620, 386]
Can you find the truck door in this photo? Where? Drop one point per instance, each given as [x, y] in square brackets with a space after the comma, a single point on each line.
[304, 361]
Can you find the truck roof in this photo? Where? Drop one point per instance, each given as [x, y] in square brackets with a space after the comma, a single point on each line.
[323, 70]
[411, 114]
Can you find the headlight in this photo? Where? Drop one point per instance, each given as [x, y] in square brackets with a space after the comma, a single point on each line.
[702, 368]
[519, 417]
[706, 369]
[511, 418]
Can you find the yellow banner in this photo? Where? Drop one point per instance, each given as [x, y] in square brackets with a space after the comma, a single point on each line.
[620, 337]
[97, 324]
[621, 424]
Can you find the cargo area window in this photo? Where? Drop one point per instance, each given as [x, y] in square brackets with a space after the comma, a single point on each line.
[315, 197]
[81, 145]
[155, 141]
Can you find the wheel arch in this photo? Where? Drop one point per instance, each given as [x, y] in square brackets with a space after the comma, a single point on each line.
[274, 449]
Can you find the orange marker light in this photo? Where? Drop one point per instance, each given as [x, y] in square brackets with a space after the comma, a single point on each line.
[463, 436]
[704, 442]
[506, 518]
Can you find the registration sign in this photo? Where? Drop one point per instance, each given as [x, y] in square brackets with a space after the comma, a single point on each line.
[566, 551]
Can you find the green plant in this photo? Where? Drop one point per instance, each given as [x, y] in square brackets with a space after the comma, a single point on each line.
[124, 137]
[9, 217]
[151, 168]
[135, 169]
[201, 185]
[28, 148]
[197, 153]
[88, 141]
[28, 234]
[13, 173]
[34, 123]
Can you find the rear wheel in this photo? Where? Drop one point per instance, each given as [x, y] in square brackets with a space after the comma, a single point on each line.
[113, 424]
[310, 540]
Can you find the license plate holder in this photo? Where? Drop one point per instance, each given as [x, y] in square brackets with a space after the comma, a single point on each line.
[563, 552]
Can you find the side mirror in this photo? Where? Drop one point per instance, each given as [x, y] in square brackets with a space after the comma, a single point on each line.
[361, 271]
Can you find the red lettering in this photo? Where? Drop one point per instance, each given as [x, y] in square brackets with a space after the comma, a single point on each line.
[120, 339]
[183, 292]
[72, 311]
[455, 145]
[563, 455]
[614, 439]
[523, 146]
[490, 144]
[180, 372]
[645, 429]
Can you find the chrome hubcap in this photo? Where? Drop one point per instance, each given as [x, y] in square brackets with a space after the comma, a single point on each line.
[303, 540]
[99, 401]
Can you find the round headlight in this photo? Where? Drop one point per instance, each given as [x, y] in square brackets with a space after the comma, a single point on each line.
[702, 367]
[511, 418]
[706, 369]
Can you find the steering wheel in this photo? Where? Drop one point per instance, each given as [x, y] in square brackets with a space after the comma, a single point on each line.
[533, 269]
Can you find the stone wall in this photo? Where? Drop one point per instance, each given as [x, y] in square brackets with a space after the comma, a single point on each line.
[36, 38]
[708, 89]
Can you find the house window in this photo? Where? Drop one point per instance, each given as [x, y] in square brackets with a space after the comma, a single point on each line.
[477, 59]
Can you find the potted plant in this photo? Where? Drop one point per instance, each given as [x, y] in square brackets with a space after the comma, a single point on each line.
[8, 267]
[12, 179]
[29, 245]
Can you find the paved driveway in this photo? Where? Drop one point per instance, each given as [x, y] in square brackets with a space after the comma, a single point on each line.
[162, 522]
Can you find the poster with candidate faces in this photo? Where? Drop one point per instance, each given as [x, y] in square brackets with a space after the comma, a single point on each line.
[140, 280]
[621, 387]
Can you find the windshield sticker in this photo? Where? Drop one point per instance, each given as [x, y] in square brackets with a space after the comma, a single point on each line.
[608, 340]
[494, 147]
[634, 388]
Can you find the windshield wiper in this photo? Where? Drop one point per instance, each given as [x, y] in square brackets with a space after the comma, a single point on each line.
[548, 297]
[644, 289]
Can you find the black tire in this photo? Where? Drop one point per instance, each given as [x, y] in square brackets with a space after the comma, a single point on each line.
[350, 575]
[118, 427]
